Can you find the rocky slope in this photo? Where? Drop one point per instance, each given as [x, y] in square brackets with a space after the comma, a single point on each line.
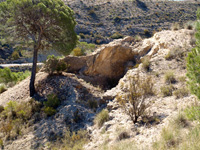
[142, 135]
[74, 92]
[98, 20]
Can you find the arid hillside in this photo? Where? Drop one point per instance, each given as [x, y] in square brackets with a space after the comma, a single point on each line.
[102, 21]
[77, 98]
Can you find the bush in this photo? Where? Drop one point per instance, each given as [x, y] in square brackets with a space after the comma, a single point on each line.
[71, 141]
[167, 90]
[15, 55]
[177, 53]
[102, 117]
[134, 103]
[49, 111]
[2, 88]
[193, 113]
[169, 77]
[7, 76]
[146, 63]
[51, 104]
[55, 65]
[116, 35]
[175, 26]
[180, 93]
[77, 52]
[193, 64]
[52, 101]
[17, 115]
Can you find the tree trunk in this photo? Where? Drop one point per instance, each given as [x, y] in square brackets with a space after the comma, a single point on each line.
[33, 73]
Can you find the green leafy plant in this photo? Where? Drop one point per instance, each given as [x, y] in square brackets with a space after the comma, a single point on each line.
[52, 101]
[2, 88]
[49, 111]
[6, 76]
[193, 63]
[51, 104]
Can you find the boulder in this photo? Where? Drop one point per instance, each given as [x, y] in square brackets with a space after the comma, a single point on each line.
[109, 61]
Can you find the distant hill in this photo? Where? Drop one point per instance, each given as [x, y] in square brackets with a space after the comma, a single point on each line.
[99, 20]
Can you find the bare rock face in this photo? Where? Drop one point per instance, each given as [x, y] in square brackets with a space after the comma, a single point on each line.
[109, 61]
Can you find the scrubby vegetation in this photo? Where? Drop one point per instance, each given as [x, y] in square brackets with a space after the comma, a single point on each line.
[9, 78]
[6, 76]
[83, 48]
[102, 117]
[51, 104]
[71, 141]
[146, 63]
[54, 65]
[15, 117]
[135, 101]
[170, 77]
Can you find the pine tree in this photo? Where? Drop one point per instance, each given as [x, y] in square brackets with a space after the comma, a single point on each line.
[49, 24]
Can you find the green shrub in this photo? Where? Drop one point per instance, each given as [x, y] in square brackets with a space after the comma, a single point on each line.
[102, 117]
[116, 35]
[1, 143]
[77, 52]
[52, 101]
[15, 55]
[49, 111]
[167, 90]
[55, 65]
[180, 93]
[193, 113]
[134, 103]
[7, 76]
[2, 88]
[193, 64]
[169, 77]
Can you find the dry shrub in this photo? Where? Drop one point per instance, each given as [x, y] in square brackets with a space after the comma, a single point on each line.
[170, 77]
[180, 93]
[135, 101]
[167, 90]
[146, 63]
[102, 117]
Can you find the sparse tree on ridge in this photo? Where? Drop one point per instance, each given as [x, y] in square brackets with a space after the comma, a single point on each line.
[47, 23]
